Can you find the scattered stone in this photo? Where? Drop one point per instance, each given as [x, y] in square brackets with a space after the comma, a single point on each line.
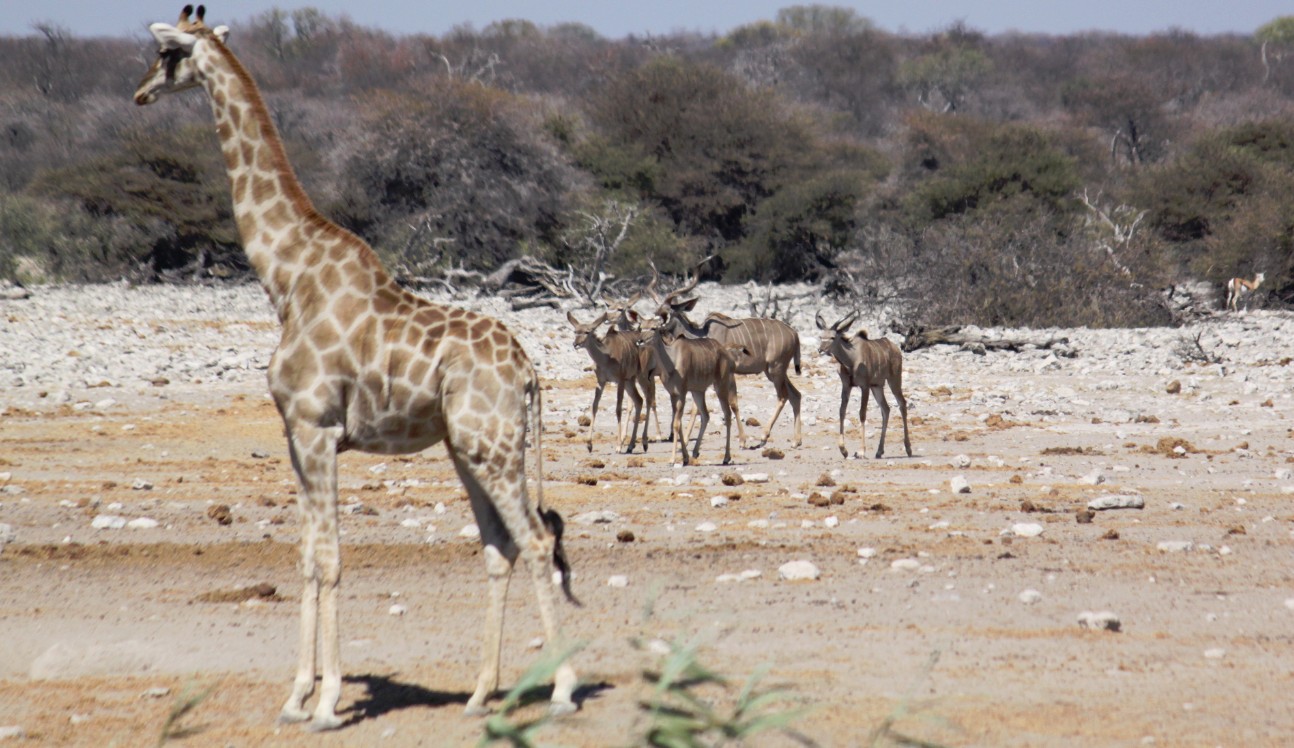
[1174, 387]
[1216, 653]
[1101, 621]
[732, 479]
[156, 692]
[825, 481]
[625, 536]
[718, 501]
[905, 564]
[603, 517]
[866, 553]
[1110, 535]
[7, 535]
[142, 523]
[1085, 516]
[12, 731]
[141, 485]
[263, 591]
[961, 462]
[1116, 501]
[618, 581]
[108, 522]
[959, 484]
[397, 610]
[796, 571]
[221, 514]
[471, 532]
[755, 477]
[259, 454]
[1026, 530]
[706, 527]
[817, 499]
[1030, 597]
[831, 521]
[1175, 546]
[773, 454]
[744, 576]
[1094, 478]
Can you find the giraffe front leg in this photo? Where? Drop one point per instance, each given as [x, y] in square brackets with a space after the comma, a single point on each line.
[498, 567]
[314, 458]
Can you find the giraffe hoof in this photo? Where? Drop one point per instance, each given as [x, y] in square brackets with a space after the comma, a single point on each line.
[324, 723]
[561, 708]
[476, 710]
[292, 716]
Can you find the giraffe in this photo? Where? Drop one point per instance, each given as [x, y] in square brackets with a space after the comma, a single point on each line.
[364, 365]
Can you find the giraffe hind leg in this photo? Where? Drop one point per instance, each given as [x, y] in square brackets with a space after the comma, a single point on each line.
[512, 528]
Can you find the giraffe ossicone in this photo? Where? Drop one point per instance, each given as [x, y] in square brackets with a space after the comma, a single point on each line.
[365, 365]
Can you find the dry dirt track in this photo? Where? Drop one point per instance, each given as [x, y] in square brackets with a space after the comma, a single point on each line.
[1204, 657]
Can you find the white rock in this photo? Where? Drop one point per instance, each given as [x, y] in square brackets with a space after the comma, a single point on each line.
[1216, 653]
[755, 477]
[156, 692]
[1289, 603]
[410, 522]
[961, 462]
[603, 517]
[1102, 620]
[1175, 546]
[141, 485]
[831, 521]
[718, 501]
[142, 523]
[12, 731]
[1030, 596]
[1096, 477]
[905, 564]
[959, 484]
[618, 580]
[793, 571]
[108, 522]
[1026, 530]
[470, 531]
[866, 552]
[397, 609]
[1116, 501]
[706, 527]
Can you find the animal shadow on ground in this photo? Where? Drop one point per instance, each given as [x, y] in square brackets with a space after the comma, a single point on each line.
[385, 694]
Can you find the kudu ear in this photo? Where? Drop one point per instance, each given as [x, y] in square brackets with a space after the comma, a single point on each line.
[687, 306]
[570, 317]
[819, 321]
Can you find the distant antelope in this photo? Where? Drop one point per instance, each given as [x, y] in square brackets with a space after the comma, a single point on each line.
[1238, 288]
[760, 345]
[865, 364]
[616, 358]
[625, 319]
[689, 365]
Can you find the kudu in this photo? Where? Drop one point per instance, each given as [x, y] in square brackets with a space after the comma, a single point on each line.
[616, 358]
[689, 365]
[867, 365]
[625, 319]
[759, 345]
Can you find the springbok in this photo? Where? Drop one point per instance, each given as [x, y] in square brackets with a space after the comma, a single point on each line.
[865, 364]
[1238, 288]
[759, 345]
[616, 358]
[688, 365]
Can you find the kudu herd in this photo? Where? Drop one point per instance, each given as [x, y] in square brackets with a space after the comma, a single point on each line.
[691, 358]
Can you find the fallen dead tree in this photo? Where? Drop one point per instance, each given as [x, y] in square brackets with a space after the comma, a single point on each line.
[915, 338]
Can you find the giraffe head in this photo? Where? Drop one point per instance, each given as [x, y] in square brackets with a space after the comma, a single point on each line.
[174, 69]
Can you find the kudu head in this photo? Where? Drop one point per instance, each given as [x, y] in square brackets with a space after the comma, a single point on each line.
[839, 332]
[673, 306]
[584, 330]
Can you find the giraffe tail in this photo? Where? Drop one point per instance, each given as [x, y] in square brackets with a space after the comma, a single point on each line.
[551, 519]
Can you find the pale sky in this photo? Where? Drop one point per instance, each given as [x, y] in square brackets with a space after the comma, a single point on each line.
[618, 18]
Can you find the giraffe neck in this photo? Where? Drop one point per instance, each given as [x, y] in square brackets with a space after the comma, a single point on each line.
[284, 237]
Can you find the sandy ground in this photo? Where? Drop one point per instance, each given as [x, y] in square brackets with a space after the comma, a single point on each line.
[94, 620]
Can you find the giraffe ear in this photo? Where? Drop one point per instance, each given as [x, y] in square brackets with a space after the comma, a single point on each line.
[169, 37]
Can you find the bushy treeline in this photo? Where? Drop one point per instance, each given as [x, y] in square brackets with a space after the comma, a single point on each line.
[1010, 179]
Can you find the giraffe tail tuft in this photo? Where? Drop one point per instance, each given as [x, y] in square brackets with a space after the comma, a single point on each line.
[556, 525]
